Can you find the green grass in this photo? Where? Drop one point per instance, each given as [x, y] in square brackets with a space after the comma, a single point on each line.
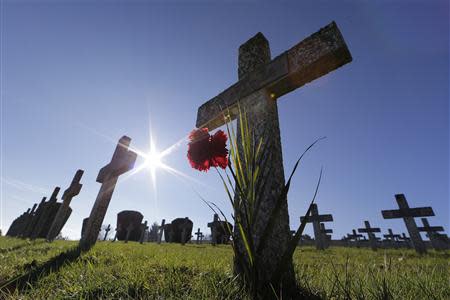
[171, 271]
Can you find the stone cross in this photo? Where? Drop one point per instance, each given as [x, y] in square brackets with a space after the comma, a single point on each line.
[261, 82]
[355, 237]
[122, 161]
[129, 230]
[118, 228]
[433, 234]
[107, 229]
[198, 234]
[371, 234]
[316, 219]
[408, 214]
[46, 210]
[144, 227]
[161, 231]
[213, 226]
[69, 193]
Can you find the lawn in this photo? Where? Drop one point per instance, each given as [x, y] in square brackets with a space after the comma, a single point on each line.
[172, 271]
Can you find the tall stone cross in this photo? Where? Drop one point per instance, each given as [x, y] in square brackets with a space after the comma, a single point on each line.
[73, 190]
[144, 227]
[261, 82]
[433, 234]
[122, 161]
[371, 234]
[107, 230]
[408, 214]
[161, 231]
[198, 234]
[45, 214]
[316, 219]
[130, 228]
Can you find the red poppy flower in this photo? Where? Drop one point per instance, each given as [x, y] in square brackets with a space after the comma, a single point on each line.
[205, 150]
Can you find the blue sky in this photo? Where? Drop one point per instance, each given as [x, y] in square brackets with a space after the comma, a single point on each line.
[76, 76]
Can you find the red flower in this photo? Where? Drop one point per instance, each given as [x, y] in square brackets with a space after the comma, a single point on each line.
[205, 150]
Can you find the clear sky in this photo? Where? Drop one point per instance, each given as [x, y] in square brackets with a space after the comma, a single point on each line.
[77, 75]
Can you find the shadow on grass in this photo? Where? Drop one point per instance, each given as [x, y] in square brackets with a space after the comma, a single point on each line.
[34, 272]
[10, 249]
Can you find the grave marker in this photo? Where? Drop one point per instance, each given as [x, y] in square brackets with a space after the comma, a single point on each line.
[433, 234]
[198, 234]
[107, 229]
[61, 216]
[326, 237]
[144, 227]
[122, 161]
[408, 214]
[371, 234]
[46, 211]
[316, 219]
[161, 230]
[261, 82]
[213, 226]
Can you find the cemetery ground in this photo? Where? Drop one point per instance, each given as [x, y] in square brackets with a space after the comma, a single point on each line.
[172, 271]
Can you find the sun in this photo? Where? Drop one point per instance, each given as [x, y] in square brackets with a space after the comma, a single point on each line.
[153, 160]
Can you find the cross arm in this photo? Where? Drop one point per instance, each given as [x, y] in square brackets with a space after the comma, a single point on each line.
[315, 56]
[411, 212]
[321, 218]
[431, 228]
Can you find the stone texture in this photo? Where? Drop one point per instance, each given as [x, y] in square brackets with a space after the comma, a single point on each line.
[61, 216]
[408, 214]
[161, 231]
[122, 161]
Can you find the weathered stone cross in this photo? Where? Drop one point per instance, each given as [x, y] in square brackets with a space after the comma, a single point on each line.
[107, 230]
[433, 234]
[408, 214]
[354, 236]
[45, 213]
[316, 219]
[161, 230]
[73, 190]
[198, 234]
[122, 161]
[144, 227]
[371, 234]
[261, 82]
[118, 228]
